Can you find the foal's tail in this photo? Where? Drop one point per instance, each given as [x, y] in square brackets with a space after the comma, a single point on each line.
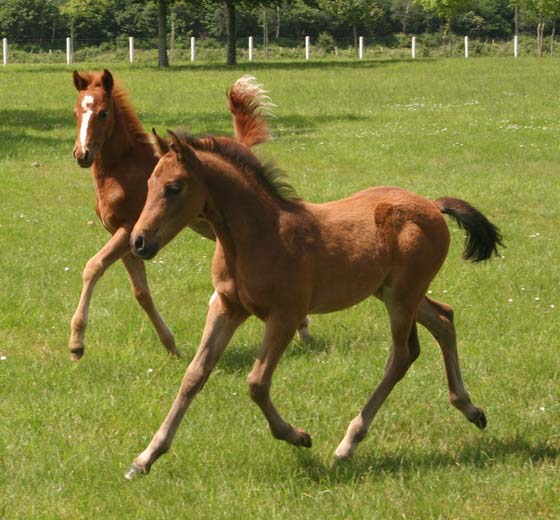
[250, 108]
[483, 237]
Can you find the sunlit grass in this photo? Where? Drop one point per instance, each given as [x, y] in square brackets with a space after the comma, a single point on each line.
[483, 130]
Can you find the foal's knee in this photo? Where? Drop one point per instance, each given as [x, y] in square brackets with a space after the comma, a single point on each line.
[143, 297]
[92, 271]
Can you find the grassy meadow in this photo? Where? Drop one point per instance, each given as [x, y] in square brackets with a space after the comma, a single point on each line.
[485, 130]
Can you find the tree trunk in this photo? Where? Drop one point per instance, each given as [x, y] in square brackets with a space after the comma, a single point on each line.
[277, 22]
[265, 34]
[355, 32]
[405, 16]
[540, 38]
[162, 34]
[516, 21]
[552, 35]
[172, 44]
[231, 33]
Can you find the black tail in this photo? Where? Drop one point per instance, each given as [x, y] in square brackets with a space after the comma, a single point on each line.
[483, 237]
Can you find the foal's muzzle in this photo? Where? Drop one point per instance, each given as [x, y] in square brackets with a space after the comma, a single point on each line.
[140, 246]
[84, 158]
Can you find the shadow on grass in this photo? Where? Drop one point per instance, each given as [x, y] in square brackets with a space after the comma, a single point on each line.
[286, 65]
[240, 358]
[481, 454]
[17, 122]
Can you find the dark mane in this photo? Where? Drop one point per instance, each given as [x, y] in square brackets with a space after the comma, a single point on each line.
[274, 179]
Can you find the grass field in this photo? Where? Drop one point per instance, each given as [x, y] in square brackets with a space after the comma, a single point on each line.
[486, 130]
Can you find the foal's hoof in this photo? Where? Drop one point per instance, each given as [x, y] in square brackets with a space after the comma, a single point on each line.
[133, 472]
[479, 419]
[302, 438]
[76, 354]
[175, 353]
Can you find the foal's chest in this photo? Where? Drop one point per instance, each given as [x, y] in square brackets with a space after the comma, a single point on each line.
[115, 206]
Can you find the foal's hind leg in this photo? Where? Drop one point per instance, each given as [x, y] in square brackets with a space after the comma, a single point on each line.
[117, 246]
[278, 332]
[303, 330]
[437, 317]
[405, 350]
[137, 272]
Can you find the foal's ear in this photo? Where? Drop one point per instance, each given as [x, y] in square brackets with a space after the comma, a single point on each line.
[184, 152]
[80, 82]
[107, 81]
[160, 144]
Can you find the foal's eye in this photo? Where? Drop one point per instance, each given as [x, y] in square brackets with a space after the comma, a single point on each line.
[172, 189]
[103, 114]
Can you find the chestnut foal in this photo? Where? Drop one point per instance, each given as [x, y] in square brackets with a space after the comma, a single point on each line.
[113, 141]
[280, 258]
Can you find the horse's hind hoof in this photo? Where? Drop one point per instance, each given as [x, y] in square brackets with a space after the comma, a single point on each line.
[76, 354]
[133, 472]
[479, 419]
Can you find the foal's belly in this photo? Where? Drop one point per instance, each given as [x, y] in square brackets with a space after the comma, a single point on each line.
[339, 289]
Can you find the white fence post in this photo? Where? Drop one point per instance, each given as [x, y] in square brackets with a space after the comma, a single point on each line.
[250, 48]
[515, 46]
[414, 47]
[307, 47]
[466, 46]
[5, 51]
[69, 51]
[361, 47]
[131, 49]
[193, 48]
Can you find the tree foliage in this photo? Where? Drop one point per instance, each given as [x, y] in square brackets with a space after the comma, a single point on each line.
[91, 22]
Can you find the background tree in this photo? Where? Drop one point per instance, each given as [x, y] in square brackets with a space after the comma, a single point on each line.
[29, 18]
[163, 60]
[448, 10]
[354, 13]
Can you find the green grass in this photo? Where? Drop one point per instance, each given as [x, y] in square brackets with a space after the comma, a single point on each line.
[486, 130]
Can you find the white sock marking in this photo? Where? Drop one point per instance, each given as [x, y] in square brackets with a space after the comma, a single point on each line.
[212, 298]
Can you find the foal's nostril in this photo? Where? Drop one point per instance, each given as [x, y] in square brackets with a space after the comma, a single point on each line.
[139, 243]
[86, 155]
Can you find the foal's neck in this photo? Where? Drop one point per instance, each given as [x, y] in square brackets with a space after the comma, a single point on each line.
[243, 213]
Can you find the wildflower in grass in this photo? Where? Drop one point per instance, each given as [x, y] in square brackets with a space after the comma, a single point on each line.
[3, 358]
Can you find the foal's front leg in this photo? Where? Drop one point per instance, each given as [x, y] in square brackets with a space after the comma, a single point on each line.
[137, 272]
[278, 332]
[118, 245]
[221, 322]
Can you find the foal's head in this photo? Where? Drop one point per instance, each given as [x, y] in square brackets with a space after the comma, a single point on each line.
[176, 196]
[94, 114]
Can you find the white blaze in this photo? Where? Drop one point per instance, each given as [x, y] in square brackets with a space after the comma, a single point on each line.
[87, 106]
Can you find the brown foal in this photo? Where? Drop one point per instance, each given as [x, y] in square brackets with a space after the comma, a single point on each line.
[112, 140]
[280, 258]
